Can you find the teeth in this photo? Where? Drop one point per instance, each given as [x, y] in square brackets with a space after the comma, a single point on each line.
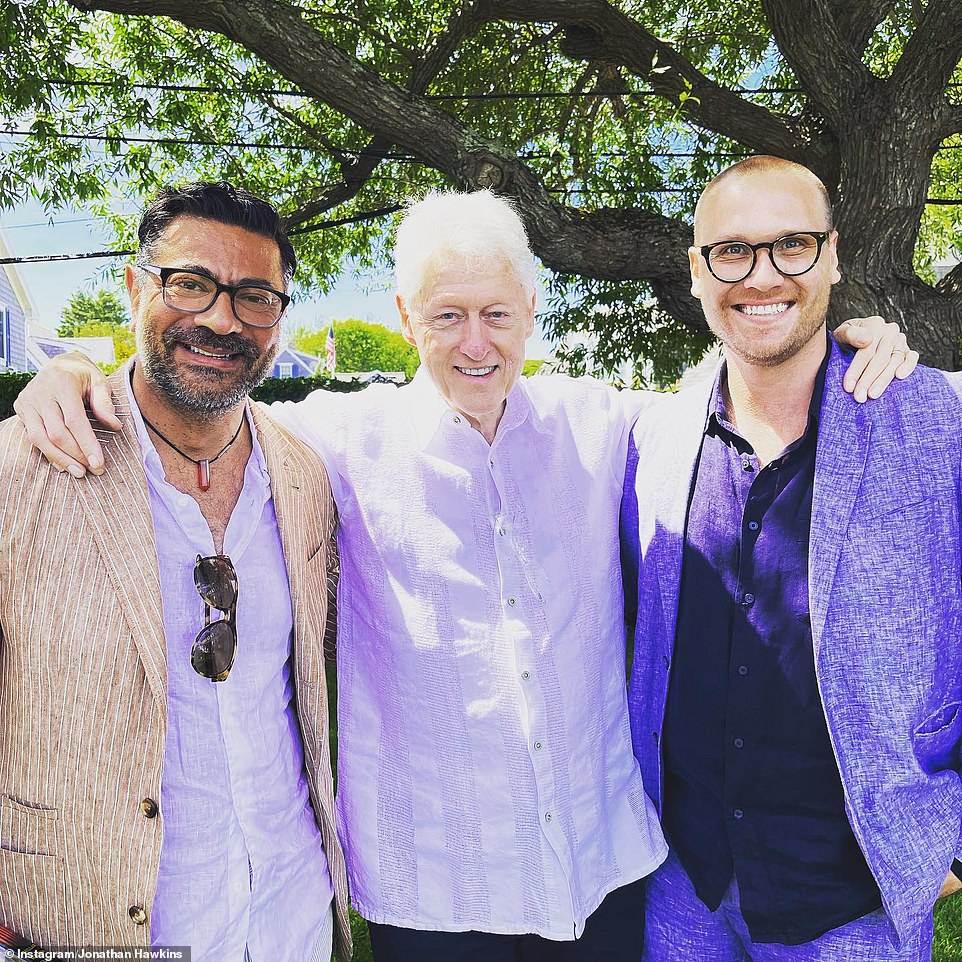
[752, 309]
[197, 350]
[476, 371]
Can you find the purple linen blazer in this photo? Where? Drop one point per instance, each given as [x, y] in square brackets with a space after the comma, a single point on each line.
[885, 596]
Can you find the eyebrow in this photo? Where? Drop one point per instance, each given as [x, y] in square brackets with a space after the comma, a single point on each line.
[243, 282]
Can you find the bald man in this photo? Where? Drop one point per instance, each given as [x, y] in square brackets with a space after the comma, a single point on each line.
[795, 693]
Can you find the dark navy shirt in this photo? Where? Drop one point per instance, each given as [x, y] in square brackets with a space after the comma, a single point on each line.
[751, 783]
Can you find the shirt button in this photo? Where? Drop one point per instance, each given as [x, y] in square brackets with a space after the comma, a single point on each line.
[664, 658]
[149, 807]
[137, 915]
[738, 813]
[512, 602]
[748, 600]
[739, 742]
[752, 525]
[747, 466]
[743, 670]
[525, 675]
[547, 816]
[537, 746]
[457, 420]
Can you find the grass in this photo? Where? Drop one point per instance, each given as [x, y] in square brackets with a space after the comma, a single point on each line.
[948, 930]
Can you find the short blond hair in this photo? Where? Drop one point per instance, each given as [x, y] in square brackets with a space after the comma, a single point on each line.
[761, 163]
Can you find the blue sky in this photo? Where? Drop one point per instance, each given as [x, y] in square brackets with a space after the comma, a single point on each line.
[30, 232]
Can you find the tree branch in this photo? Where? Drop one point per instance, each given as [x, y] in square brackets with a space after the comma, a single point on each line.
[953, 122]
[932, 53]
[462, 23]
[952, 282]
[857, 21]
[355, 174]
[607, 244]
[598, 31]
[826, 63]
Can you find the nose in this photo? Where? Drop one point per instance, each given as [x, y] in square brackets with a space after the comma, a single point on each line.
[765, 275]
[220, 317]
[474, 340]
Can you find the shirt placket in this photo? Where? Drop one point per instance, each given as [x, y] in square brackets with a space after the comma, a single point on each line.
[753, 489]
[520, 595]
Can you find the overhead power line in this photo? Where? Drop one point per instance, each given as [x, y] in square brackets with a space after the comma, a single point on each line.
[476, 95]
[384, 155]
[340, 222]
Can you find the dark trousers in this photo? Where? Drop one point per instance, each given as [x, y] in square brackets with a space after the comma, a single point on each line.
[615, 932]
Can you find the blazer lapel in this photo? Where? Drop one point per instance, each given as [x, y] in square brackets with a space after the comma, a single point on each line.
[844, 436]
[117, 507]
[673, 495]
[296, 523]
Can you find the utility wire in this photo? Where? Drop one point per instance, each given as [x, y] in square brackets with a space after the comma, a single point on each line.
[356, 218]
[383, 155]
[480, 95]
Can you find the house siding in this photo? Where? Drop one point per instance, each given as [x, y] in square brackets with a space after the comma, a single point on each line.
[17, 347]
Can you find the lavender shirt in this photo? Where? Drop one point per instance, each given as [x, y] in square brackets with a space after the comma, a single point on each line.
[485, 775]
[242, 866]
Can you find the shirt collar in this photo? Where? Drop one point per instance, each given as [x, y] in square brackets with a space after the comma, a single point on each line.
[432, 413]
[718, 413]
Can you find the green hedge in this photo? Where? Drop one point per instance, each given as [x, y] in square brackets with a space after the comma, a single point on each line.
[11, 384]
[272, 389]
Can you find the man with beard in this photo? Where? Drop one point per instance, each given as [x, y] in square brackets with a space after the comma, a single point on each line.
[795, 559]
[164, 766]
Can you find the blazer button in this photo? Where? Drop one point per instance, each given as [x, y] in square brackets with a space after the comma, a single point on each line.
[149, 807]
[137, 915]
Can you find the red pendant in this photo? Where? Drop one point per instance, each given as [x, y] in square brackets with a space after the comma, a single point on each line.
[203, 475]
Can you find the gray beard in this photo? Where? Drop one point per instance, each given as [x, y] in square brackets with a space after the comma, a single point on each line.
[218, 391]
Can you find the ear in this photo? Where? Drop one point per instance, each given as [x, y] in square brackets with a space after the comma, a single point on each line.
[832, 243]
[133, 292]
[407, 328]
[696, 267]
[529, 326]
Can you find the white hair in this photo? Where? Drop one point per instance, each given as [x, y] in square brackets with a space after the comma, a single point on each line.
[477, 231]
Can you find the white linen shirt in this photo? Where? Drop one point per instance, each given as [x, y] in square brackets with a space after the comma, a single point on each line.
[243, 873]
[486, 779]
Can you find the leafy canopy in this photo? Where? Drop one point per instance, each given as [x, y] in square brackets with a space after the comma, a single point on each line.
[167, 102]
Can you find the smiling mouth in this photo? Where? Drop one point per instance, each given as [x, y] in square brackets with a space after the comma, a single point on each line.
[476, 371]
[213, 354]
[764, 310]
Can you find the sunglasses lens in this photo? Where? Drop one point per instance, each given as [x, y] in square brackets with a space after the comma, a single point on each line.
[213, 651]
[216, 582]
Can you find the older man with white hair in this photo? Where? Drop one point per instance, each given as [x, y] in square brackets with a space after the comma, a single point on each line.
[489, 800]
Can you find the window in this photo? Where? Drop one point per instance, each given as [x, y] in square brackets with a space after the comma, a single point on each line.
[285, 370]
[5, 335]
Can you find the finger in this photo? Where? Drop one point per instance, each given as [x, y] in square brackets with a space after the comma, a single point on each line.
[102, 406]
[908, 365]
[896, 357]
[79, 440]
[857, 368]
[853, 334]
[895, 365]
[889, 352]
[60, 433]
[37, 435]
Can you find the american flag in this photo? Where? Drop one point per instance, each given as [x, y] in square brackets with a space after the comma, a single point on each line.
[331, 361]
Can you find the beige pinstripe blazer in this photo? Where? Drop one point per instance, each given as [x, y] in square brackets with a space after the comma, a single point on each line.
[83, 683]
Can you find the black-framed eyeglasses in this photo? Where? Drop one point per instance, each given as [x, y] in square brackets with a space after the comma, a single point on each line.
[212, 654]
[791, 254]
[195, 293]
